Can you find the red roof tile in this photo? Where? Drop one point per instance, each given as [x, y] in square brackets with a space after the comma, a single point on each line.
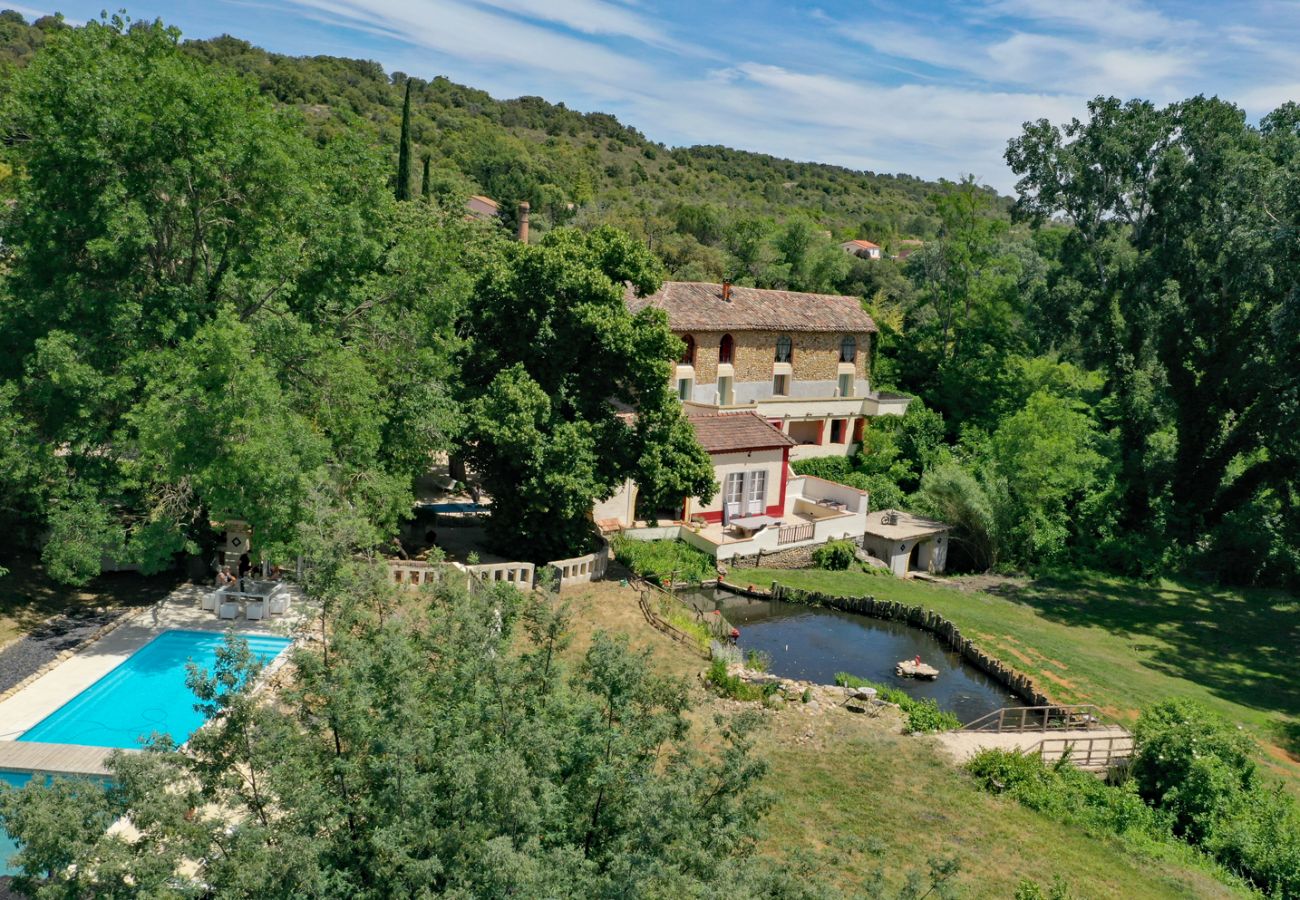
[698, 306]
[730, 432]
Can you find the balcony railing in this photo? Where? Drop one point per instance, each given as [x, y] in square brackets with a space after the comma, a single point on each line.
[792, 534]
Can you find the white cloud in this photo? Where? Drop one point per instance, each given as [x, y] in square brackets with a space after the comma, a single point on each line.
[980, 73]
[1117, 18]
[469, 32]
[587, 16]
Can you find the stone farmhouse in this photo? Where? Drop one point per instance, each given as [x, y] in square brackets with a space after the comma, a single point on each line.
[766, 378]
[800, 361]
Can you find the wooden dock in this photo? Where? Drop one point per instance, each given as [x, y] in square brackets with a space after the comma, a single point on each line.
[56, 759]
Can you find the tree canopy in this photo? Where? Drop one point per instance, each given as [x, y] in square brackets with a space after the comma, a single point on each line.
[219, 316]
[567, 393]
[497, 768]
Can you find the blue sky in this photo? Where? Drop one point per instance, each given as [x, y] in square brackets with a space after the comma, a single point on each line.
[925, 87]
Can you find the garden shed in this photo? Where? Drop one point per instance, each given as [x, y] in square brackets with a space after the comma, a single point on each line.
[906, 542]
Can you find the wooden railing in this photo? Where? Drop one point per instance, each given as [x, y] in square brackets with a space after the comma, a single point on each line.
[649, 596]
[1087, 752]
[1077, 717]
[791, 534]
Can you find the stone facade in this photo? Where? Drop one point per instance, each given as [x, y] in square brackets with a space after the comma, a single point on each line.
[797, 558]
[815, 355]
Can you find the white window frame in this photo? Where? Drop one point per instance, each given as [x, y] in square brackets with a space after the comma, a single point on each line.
[726, 391]
[756, 492]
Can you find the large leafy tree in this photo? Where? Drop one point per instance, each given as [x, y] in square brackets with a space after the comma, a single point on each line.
[203, 310]
[567, 392]
[1182, 264]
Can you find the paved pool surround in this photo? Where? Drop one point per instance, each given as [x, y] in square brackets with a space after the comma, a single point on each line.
[146, 694]
[64, 681]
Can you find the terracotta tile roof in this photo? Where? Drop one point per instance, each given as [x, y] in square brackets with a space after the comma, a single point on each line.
[729, 432]
[698, 306]
[865, 245]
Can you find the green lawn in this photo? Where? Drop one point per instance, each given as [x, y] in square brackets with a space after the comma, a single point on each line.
[877, 799]
[1122, 644]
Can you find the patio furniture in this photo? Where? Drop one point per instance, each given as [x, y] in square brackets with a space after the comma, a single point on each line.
[751, 525]
[278, 603]
[228, 610]
[210, 600]
[255, 610]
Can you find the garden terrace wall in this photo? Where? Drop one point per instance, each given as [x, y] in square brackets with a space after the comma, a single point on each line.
[927, 620]
[582, 569]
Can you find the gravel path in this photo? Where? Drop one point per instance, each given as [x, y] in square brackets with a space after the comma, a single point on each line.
[27, 654]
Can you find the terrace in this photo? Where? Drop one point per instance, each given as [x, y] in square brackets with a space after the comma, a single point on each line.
[816, 511]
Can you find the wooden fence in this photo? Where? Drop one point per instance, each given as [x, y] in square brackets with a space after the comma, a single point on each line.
[1100, 752]
[1077, 717]
[792, 534]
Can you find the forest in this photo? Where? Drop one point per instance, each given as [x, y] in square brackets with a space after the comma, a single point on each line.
[1106, 365]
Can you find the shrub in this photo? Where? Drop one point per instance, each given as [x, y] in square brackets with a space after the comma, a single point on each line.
[758, 661]
[734, 686]
[923, 716]
[1065, 792]
[1192, 763]
[662, 561]
[836, 556]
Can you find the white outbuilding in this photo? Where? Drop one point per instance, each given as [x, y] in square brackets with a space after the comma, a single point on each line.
[906, 542]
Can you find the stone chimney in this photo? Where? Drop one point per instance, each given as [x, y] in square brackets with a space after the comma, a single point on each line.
[524, 207]
[726, 292]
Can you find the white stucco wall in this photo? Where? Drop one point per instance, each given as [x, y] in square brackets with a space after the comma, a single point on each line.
[621, 506]
[771, 461]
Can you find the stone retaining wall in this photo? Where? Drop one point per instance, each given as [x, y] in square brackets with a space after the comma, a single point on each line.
[927, 620]
[795, 558]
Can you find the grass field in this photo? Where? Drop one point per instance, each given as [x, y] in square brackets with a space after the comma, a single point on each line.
[1124, 645]
[861, 795]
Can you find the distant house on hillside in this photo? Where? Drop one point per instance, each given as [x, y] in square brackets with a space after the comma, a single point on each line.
[484, 208]
[863, 249]
[800, 361]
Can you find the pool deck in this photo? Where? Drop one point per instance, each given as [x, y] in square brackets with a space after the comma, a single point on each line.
[56, 759]
[179, 610]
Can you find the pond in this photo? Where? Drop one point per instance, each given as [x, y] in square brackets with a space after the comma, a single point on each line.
[813, 643]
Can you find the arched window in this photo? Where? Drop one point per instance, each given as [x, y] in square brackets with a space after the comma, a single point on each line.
[784, 347]
[848, 349]
[688, 355]
[725, 348]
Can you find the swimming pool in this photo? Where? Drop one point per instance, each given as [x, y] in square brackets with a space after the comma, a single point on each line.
[144, 694]
[16, 779]
[7, 846]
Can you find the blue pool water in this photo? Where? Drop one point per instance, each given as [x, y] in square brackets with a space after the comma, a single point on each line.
[7, 848]
[146, 693]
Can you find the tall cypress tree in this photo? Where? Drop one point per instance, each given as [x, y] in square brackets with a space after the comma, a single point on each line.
[404, 149]
[425, 187]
